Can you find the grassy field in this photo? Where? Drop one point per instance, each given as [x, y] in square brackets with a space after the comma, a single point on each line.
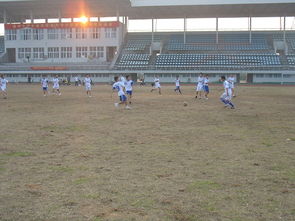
[78, 158]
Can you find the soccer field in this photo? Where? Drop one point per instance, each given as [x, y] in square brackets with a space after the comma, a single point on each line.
[71, 157]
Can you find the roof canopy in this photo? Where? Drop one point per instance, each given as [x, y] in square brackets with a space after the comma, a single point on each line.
[17, 11]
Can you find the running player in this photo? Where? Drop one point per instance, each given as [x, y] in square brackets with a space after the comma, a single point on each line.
[87, 82]
[44, 84]
[200, 86]
[55, 87]
[128, 86]
[231, 80]
[206, 86]
[177, 85]
[3, 86]
[120, 87]
[157, 85]
[227, 95]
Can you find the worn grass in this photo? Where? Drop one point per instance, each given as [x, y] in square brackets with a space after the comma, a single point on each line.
[79, 158]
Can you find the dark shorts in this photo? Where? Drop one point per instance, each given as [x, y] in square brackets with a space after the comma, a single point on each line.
[206, 88]
[45, 88]
[123, 98]
[129, 92]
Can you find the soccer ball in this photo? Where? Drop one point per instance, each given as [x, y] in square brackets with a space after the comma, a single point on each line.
[185, 103]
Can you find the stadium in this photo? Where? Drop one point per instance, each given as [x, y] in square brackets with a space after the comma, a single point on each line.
[171, 156]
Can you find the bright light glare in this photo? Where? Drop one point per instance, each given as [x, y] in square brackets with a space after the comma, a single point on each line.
[83, 19]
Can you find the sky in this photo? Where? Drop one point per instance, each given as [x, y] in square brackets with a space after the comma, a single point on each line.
[225, 24]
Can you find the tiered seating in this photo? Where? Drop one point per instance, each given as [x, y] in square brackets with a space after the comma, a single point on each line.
[2, 47]
[291, 59]
[133, 61]
[136, 45]
[183, 61]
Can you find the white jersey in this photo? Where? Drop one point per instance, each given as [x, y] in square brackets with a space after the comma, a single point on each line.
[128, 85]
[55, 83]
[157, 83]
[119, 87]
[44, 82]
[123, 79]
[227, 91]
[3, 84]
[200, 81]
[87, 81]
[177, 83]
[76, 79]
[206, 81]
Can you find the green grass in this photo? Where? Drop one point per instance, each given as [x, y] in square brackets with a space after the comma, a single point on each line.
[16, 154]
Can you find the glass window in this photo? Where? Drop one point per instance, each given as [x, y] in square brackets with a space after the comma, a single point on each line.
[21, 53]
[38, 53]
[53, 52]
[26, 34]
[81, 33]
[11, 35]
[52, 34]
[81, 52]
[96, 52]
[66, 33]
[38, 34]
[66, 52]
[94, 33]
[110, 32]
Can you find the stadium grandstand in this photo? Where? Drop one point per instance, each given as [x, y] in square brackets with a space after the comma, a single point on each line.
[80, 42]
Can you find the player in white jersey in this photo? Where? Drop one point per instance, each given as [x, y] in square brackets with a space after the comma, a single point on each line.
[123, 79]
[55, 86]
[3, 86]
[206, 85]
[231, 80]
[177, 85]
[119, 86]
[76, 81]
[227, 95]
[129, 88]
[157, 85]
[44, 84]
[87, 82]
[200, 86]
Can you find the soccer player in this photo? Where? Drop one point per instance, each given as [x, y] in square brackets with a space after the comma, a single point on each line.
[206, 86]
[227, 95]
[177, 85]
[200, 86]
[122, 79]
[157, 85]
[44, 84]
[55, 87]
[231, 80]
[3, 86]
[128, 86]
[76, 81]
[87, 82]
[120, 87]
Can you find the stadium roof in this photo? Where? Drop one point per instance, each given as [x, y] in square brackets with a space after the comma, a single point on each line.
[17, 10]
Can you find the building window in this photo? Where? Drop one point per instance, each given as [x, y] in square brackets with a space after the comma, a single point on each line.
[26, 34]
[38, 53]
[96, 52]
[94, 33]
[110, 32]
[53, 52]
[81, 33]
[38, 34]
[81, 52]
[11, 35]
[21, 53]
[52, 34]
[66, 33]
[66, 52]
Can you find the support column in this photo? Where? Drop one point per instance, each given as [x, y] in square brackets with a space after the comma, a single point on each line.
[217, 34]
[184, 30]
[152, 30]
[250, 30]
[118, 15]
[285, 29]
[4, 17]
[59, 16]
[31, 17]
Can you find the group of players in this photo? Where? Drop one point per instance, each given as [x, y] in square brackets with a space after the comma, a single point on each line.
[124, 88]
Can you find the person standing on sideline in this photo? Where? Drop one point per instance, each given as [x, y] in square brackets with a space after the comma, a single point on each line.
[3, 86]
